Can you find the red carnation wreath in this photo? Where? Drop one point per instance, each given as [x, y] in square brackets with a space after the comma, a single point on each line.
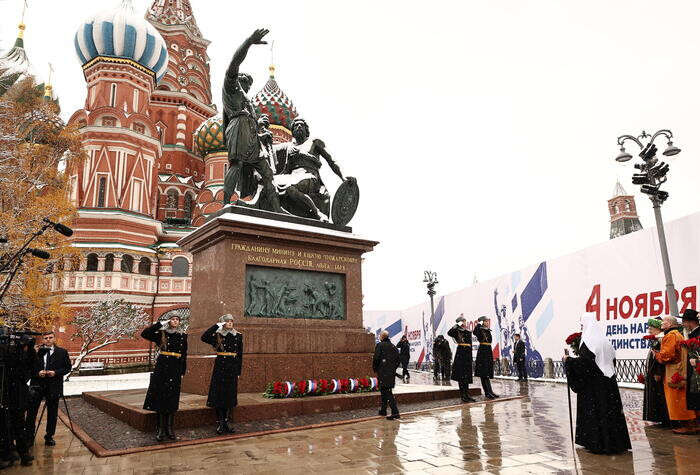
[574, 341]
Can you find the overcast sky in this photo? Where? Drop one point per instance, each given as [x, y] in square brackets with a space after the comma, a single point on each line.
[482, 133]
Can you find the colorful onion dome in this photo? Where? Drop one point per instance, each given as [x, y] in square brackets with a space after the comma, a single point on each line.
[209, 137]
[271, 100]
[121, 34]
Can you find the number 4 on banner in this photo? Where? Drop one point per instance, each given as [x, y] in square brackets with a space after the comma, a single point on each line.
[593, 304]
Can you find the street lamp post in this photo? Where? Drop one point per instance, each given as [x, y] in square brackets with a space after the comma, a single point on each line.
[652, 174]
[431, 280]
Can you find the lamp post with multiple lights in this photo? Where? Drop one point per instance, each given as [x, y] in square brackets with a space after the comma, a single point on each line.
[430, 279]
[652, 174]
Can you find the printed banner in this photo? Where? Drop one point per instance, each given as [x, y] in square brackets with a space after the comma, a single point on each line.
[620, 281]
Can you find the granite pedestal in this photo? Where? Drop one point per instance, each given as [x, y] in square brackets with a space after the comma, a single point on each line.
[224, 249]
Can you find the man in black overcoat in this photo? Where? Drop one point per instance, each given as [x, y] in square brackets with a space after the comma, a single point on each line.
[384, 363]
[442, 355]
[223, 388]
[692, 395]
[462, 366]
[404, 348]
[52, 364]
[163, 394]
[519, 357]
[484, 356]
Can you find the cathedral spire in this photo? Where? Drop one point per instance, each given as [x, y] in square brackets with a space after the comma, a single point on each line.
[172, 13]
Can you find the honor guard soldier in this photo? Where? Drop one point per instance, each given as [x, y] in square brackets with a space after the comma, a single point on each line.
[223, 388]
[163, 395]
[484, 356]
[462, 366]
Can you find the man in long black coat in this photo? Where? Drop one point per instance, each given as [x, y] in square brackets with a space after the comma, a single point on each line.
[52, 364]
[223, 388]
[384, 363]
[692, 395]
[519, 357]
[404, 348]
[484, 356]
[442, 354]
[163, 395]
[462, 366]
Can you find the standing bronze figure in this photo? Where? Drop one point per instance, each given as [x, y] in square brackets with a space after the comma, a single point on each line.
[223, 388]
[241, 129]
[462, 367]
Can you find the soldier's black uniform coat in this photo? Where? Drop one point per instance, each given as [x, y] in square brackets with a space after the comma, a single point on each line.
[223, 388]
[163, 393]
[462, 366]
[484, 355]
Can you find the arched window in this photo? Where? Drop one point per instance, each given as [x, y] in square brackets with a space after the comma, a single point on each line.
[627, 206]
[102, 184]
[91, 263]
[127, 263]
[109, 262]
[173, 197]
[189, 205]
[181, 267]
[145, 266]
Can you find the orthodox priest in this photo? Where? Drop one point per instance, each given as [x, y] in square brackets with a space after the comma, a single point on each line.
[600, 421]
[462, 366]
[692, 394]
[654, 408]
[223, 388]
[674, 357]
[163, 395]
[484, 356]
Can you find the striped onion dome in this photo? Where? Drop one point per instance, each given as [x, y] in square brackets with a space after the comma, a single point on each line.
[209, 137]
[119, 33]
[271, 100]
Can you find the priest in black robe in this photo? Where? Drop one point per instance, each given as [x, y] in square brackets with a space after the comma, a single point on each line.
[654, 408]
[600, 421]
[692, 387]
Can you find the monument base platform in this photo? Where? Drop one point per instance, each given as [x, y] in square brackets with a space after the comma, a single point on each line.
[126, 405]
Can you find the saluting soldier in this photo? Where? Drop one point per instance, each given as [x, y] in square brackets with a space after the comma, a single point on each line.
[462, 367]
[484, 355]
[223, 388]
[163, 395]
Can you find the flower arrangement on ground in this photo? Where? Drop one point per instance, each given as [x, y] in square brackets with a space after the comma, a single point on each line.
[320, 387]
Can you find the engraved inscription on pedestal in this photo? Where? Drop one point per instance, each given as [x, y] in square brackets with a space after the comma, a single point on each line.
[289, 293]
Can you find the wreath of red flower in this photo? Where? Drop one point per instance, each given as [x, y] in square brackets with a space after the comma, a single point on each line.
[640, 378]
[691, 343]
[649, 337]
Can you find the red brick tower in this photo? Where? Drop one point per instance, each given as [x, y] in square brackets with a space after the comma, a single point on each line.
[147, 91]
[623, 213]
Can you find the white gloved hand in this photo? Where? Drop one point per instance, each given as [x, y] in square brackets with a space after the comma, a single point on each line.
[220, 324]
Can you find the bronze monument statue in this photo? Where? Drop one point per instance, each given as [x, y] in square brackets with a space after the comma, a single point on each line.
[283, 178]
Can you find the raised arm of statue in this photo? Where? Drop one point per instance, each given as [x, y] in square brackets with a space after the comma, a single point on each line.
[321, 147]
[231, 80]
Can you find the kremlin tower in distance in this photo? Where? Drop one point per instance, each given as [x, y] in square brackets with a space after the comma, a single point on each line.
[623, 213]
[155, 163]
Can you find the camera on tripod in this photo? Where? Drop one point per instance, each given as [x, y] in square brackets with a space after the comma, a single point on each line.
[12, 341]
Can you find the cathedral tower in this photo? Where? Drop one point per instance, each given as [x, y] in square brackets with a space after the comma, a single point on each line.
[623, 213]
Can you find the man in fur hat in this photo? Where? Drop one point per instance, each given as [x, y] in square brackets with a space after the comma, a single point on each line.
[223, 388]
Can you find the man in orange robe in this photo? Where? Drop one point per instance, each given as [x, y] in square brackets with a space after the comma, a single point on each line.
[674, 356]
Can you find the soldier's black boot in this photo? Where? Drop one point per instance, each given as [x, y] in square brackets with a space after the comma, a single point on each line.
[228, 428]
[161, 434]
[169, 426]
[465, 394]
[220, 416]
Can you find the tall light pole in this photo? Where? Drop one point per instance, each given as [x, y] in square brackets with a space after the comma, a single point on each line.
[652, 174]
[430, 279]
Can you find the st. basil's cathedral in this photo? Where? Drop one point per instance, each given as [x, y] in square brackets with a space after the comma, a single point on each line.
[155, 162]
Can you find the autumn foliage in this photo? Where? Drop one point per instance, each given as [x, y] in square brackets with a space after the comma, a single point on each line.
[36, 150]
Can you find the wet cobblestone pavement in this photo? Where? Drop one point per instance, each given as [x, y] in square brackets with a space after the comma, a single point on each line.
[528, 435]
